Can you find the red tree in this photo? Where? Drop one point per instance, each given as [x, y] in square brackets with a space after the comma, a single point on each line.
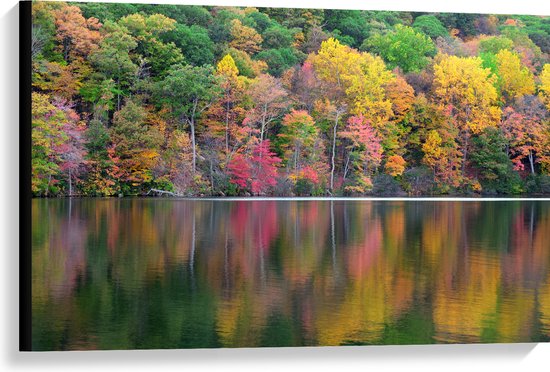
[257, 172]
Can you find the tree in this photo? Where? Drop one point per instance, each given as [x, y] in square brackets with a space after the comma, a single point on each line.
[56, 145]
[148, 31]
[401, 96]
[194, 43]
[545, 85]
[467, 91]
[495, 44]
[395, 165]
[113, 58]
[232, 93]
[333, 64]
[255, 172]
[247, 66]
[333, 114]
[269, 100]
[61, 79]
[524, 127]
[442, 158]
[245, 38]
[429, 24]
[178, 161]
[403, 47]
[71, 150]
[494, 167]
[136, 144]
[102, 171]
[364, 151]
[367, 91]
[514, 79]
[353, 79]
[351, 23]
[297, 138]
[433, 153]
[276, 37]
[189, 90]
[78, 36]
[278, 60]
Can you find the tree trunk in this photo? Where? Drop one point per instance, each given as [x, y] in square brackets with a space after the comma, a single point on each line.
[264, 124]
[346, 168]
[464, 153]
[48, 186]
[532, 162]
[193, 145]
[332, 160]
[70, 183]
[227, 128]
[192, 127]
[296, 156]
[211, 177]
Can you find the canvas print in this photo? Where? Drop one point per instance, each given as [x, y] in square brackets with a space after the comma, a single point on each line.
[208, 176]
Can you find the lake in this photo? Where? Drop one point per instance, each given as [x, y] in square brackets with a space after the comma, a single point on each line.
[174, 273]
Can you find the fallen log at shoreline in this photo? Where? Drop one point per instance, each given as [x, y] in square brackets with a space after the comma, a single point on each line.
[162, 192]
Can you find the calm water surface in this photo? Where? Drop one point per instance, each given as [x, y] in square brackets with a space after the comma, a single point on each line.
[165, 273]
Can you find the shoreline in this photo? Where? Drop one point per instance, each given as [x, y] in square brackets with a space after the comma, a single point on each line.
[312, 198]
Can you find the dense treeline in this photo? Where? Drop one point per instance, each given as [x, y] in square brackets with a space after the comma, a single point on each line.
[243, 101]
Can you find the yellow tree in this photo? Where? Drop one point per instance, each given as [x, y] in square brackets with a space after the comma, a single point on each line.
[227, 109]
[333, 64]
[352, 81]
[395, 165]
[433, 153]
[515, 80]
[401, 95]
[368, 96]
[467, 91]
[367, 90]
[245, 38]
[544, 89]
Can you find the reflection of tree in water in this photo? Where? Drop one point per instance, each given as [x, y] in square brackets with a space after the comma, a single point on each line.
[144, 273]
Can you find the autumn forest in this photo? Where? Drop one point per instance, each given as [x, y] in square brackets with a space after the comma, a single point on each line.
[228, 101]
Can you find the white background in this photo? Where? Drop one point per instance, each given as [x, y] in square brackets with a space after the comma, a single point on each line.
[511, 357]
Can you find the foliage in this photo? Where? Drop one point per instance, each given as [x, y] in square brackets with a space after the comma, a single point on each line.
[545, 85]
[270, 101]
[136, 144]
[403, 47]
[429, 24]
[255, 172]
[194, 42]
[495, 44]
[514, 80]
[395, 165]
[495, 168]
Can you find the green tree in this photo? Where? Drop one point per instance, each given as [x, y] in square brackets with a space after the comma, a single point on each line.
[495, 170]
[278, 60]
[403, 47]
[113, 58]
[495, 44]
[276, 37]
[189, 91]
[148, 31]
[194, 42]
[429, 24]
